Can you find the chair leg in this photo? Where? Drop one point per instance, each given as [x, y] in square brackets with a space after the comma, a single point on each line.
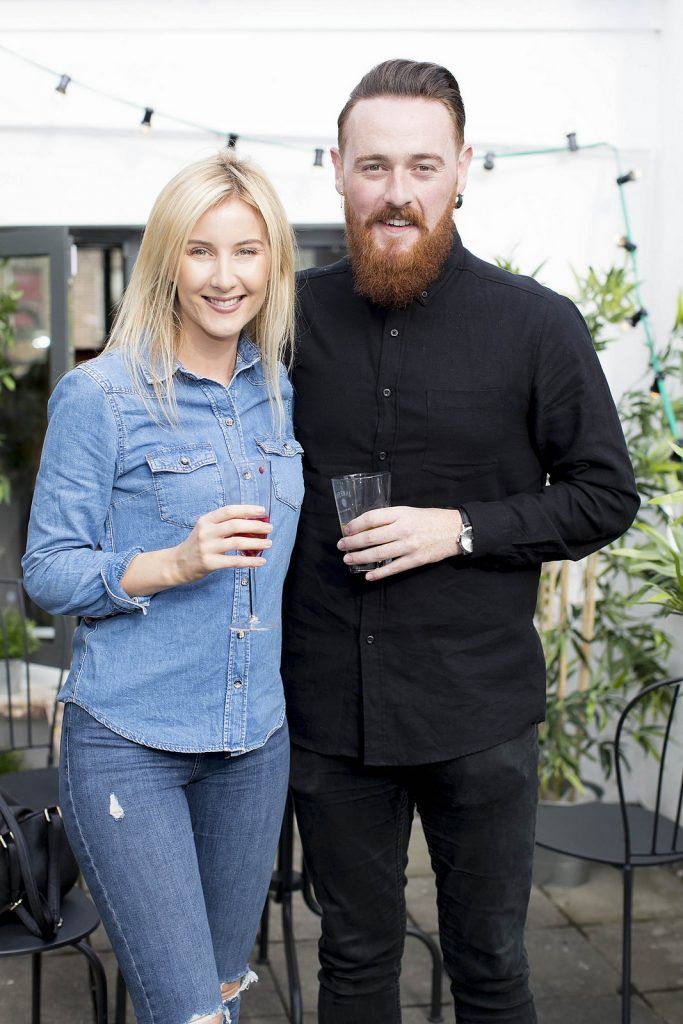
[437, 970]
[264, 933]
[286, 873]
[99, 977]
[296, 1011]
[121, 997]
[627, 874]
[36, 972]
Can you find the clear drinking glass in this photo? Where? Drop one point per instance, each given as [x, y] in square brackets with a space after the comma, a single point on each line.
[357, 493]
[253, 481]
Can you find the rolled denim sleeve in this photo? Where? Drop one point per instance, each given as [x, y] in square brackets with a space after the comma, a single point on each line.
[69, 566]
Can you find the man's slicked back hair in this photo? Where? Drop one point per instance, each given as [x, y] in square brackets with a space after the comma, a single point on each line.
[408, 78]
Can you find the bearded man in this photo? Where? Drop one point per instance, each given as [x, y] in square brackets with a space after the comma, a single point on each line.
[419, 685]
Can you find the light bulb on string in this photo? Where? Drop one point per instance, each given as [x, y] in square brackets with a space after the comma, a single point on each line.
[489, 162]
[63, 85]
[232, 140]
[572, 144]
[654, 387]
[625, 243]
[632, 175]
[146, 123]
[318, 159]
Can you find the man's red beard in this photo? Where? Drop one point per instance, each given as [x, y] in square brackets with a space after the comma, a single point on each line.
[391, 277]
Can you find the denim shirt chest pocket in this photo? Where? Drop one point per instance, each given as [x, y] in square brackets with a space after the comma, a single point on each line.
[287, 476]
[187, 482]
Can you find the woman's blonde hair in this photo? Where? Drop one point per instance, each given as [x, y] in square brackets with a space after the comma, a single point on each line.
[147, 326]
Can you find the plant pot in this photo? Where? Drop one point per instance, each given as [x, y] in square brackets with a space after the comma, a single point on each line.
[17, 675]
[552, 868]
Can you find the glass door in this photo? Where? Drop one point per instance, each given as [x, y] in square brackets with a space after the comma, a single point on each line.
[35, 268]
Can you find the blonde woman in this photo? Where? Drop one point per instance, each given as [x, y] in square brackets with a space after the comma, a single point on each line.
[174, 749]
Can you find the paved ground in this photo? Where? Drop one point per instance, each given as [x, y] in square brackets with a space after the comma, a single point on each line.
[573, 938]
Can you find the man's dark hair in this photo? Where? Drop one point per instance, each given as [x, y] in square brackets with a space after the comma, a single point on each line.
[411, 79]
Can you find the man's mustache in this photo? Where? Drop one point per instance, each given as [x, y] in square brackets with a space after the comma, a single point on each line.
[395, 213]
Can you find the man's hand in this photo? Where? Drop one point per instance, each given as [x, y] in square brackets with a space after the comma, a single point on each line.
[409, 536]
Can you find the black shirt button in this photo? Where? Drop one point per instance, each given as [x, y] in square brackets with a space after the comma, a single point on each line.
[393, 332]
[424, 294]
[386, 392]
[382, 456]
[369, 639]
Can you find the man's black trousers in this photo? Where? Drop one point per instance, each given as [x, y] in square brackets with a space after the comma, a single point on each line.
[478, 814]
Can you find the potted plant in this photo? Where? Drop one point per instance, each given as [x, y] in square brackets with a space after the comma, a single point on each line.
[17, 640]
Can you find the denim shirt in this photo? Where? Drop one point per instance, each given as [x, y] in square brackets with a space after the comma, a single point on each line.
[165, 670]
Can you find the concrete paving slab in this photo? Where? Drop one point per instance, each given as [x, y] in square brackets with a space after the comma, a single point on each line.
[262, 999]
[669, 1005]
[307, 956]
[421, 902]
[657, 952]
[596, 1010]
[542, 911]
[419, 863]
[564, 965]
[65, 988]
[657, 893]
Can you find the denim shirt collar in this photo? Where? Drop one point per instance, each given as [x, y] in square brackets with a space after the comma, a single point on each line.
[248, 356]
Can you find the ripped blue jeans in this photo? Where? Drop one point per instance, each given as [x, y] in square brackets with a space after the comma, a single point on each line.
[177, 851]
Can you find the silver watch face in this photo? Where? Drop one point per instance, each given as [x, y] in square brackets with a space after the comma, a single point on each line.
[467, 540]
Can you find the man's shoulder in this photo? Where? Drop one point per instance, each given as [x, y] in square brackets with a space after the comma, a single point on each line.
[313, 277]
[506, 283]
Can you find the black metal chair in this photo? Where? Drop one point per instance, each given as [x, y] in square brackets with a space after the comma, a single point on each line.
[37, 787]
[284, 882]
[626, 834]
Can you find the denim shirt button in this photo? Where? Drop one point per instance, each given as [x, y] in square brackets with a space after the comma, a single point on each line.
[229, 421]
[240, 634]
[245, 581]
[184, 461]
[237, 684]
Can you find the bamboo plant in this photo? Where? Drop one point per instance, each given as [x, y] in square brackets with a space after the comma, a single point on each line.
[598, 648]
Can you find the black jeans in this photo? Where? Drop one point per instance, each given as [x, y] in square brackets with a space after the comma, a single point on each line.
[478, 813]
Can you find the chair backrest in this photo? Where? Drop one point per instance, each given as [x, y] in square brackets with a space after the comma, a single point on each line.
[660, 707]
[27, 691]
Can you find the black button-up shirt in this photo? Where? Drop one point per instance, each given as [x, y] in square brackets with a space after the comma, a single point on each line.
[478, 394]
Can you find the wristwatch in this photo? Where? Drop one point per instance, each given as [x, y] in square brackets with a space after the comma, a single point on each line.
[466, 538]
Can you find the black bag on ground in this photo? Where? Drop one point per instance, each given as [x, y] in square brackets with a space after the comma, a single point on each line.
[37, 866]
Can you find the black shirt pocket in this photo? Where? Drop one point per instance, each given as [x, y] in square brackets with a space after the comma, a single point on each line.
[187, 482]
[464, 431]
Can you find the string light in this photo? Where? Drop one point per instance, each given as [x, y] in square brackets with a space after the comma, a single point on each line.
[654, 387]
[488, 158]
[625, 243]
[623, 179]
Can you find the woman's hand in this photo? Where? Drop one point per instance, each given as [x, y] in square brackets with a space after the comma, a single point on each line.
[233, 528]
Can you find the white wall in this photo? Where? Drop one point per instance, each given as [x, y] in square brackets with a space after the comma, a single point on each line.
[529, 72]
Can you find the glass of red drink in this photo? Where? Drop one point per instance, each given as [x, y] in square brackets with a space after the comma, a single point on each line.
[254, 489]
